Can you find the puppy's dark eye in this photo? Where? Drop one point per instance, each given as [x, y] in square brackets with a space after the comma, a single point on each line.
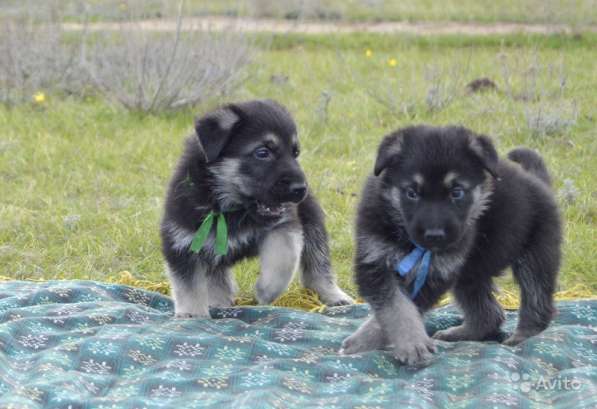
[296, 152]
[457, 193]
[262, 153]
[411, 193]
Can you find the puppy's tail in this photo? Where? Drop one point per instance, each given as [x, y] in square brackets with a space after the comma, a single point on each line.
[532, 162]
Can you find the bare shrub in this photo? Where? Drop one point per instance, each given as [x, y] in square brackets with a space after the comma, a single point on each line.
[396, 98]
[400, 98]
[541, 87]
[568, 193]
[526, 77]
[444, 84]
[96, 10]
[136, 66]
[295, 9]
[321, 111]
[148, 71]
[114, 10]
[547, 119]
[441, 85]
[34, 57]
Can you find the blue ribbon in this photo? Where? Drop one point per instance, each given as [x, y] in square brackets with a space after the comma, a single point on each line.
[404, 266]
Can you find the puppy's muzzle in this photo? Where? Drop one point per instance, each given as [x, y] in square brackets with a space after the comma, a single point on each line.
[435, 236]
[287, 190]
[297, 191]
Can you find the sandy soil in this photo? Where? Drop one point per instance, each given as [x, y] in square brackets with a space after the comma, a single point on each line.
[315, 27]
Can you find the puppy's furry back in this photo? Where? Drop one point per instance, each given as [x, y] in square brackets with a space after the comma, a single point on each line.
[532, 162]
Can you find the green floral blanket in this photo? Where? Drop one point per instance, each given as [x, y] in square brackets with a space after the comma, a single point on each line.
[81, 344]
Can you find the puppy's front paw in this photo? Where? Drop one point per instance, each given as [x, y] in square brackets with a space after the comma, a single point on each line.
[266, 295]
[465, 333]
[335, 297]
[452, 334]
[458, 333]
[518, 337]
[357, 343]
[415, 351]
[341, 301]
[368, 337]
[352, 345]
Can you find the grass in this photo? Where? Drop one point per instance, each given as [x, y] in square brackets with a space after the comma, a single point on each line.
[577, 13]
[392, 42]
[82, 183]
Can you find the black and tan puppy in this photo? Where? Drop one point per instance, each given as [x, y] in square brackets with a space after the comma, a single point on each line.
[238, 191]
[444, 212]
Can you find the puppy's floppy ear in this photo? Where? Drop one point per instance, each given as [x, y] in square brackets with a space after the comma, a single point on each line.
[389, 148]
[483, 148]
[214, 130]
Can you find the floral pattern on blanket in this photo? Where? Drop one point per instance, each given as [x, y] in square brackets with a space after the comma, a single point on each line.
[83, 344]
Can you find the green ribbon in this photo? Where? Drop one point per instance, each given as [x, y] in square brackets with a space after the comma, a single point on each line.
[221, 246]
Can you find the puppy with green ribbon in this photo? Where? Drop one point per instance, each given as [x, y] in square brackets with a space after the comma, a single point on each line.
[239, 192]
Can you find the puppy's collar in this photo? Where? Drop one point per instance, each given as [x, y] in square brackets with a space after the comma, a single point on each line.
[221, 244]
[408, 262]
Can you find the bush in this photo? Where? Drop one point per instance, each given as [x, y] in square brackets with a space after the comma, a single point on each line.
[150, 72]
[35, 58]
[135, 65]
[444, 84]
[541, 87]
[294, 9]
[441, 85]
[546, 119]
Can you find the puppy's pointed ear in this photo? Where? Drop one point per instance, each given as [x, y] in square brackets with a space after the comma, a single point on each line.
[214, 130]
[483, 148]
[388, 150]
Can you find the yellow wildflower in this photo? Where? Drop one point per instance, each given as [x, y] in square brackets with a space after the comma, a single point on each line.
[392, 62]
[39, 97]
[368, 53]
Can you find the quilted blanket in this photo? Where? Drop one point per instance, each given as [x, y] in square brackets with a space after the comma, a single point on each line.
[82, 344]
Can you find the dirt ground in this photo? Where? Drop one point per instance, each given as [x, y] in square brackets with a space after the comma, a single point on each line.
[314, 27]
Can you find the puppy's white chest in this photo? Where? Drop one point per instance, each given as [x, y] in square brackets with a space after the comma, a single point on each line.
[446, 265]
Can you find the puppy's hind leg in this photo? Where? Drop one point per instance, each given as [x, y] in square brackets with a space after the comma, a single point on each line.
[189, 292]
[221, 288]
[317, 273]
[537, 279]
[279, 254]
[367, 337]
[537, 268]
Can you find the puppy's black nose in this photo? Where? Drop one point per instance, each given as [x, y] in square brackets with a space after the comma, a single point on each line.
[297, 190]
[434, 235]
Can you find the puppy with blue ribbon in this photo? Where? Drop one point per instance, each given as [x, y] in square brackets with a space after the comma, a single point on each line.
[442, 211]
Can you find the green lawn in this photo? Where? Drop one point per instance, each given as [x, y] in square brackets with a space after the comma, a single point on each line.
[82, 183]
[576, 12]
